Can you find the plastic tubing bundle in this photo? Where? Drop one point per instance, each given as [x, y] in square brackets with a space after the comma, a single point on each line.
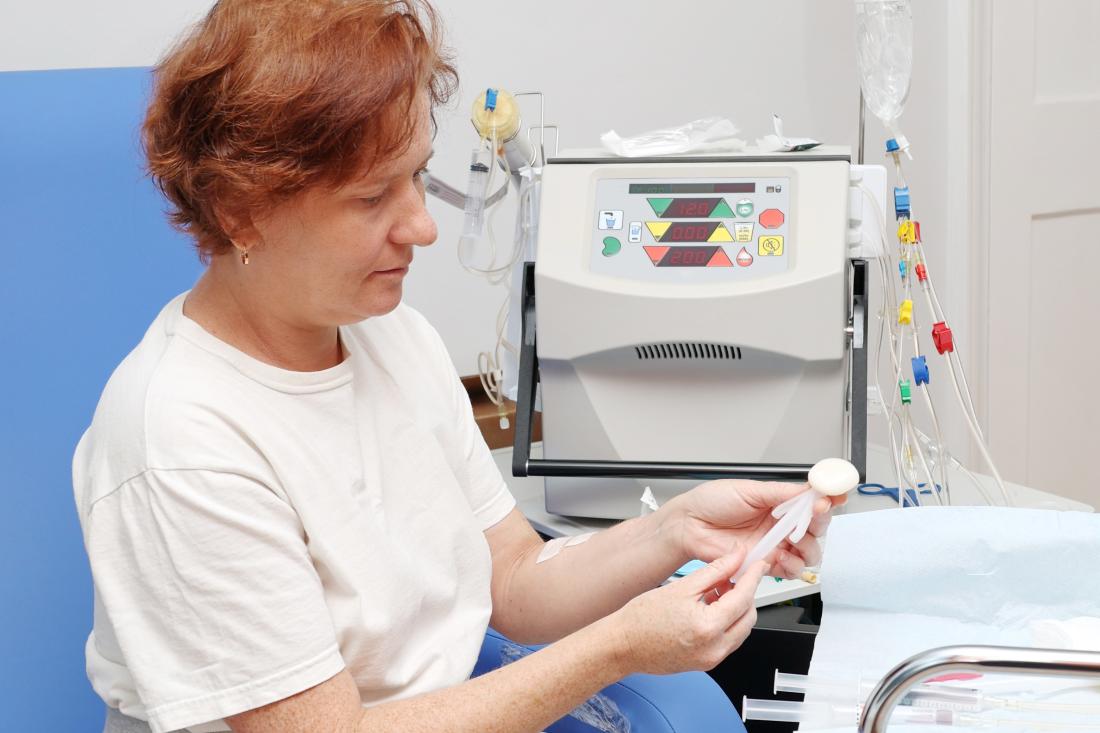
[903, 272]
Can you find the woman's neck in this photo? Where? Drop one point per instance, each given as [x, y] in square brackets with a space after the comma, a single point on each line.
[251, 320]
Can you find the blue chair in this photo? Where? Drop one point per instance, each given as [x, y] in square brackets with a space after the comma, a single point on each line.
[678, 703]
[89, 260]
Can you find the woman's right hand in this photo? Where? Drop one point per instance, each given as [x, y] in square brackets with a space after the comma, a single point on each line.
[692, 623]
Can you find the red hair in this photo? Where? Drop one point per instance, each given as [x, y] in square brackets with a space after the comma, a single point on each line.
[265, 98]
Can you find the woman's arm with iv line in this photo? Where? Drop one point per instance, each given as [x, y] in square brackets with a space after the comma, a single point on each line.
[666, 630]
[541, 601]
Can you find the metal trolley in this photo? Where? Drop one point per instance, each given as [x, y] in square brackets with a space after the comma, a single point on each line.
[1016, 660]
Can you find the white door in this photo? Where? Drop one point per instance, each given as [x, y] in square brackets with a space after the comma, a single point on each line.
[1042, 392]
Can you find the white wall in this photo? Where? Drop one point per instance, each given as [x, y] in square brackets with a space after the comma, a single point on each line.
[77, 34]
[631, 65]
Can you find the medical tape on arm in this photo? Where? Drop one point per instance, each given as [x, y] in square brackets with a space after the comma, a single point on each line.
[553, 547]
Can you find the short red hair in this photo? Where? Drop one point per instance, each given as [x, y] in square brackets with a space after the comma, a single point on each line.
[265, 98]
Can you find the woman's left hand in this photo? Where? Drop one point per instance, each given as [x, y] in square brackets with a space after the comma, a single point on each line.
[717, 516]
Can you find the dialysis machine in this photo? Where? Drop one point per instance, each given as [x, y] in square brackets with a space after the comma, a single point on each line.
[688, 318]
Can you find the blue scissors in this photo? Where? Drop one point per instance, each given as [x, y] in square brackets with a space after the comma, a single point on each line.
[892, 492]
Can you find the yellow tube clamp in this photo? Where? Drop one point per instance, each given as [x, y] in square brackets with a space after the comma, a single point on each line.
[907, 232]
[905, 312]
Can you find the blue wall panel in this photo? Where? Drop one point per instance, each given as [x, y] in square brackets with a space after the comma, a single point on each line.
[88, 260]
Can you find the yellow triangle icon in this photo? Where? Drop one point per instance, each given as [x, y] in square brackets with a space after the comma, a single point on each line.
[721, 234]
[658, 228]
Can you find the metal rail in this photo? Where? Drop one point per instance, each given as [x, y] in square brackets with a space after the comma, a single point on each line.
[984, 659]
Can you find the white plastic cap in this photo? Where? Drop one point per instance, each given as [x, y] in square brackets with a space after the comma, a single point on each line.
[833, 477]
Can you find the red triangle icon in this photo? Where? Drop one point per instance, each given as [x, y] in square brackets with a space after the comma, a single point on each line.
[656, 253]
[720, 259]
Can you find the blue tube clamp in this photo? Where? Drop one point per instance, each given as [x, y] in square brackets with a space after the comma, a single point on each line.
[920, 370]
[901, 201]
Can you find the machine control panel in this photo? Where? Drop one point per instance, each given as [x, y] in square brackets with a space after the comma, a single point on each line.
[693, 230]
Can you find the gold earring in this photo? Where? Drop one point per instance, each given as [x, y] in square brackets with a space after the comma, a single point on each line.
[244, 256]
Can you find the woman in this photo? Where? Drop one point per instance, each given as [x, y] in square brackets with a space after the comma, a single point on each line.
[292, 520]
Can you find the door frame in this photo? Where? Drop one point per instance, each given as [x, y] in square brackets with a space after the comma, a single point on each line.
[969, 121]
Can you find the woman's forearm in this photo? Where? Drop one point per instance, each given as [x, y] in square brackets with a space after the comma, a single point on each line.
[526, 695]
[538, 602]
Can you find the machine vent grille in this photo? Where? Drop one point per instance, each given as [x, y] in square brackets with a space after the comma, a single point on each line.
[687, 351]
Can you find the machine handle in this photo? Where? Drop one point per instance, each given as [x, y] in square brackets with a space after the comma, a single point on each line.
[657, 469]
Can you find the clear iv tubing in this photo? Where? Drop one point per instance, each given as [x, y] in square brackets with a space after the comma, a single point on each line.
[476, 189]
[909, 440]
[938, 311]
[878, 386]
[962, 392]
[481, 177]
[939, 435]
[978, 438]
[901, 183]
[967, 404]
[906, 414]
[890, 302]
[900, 468]
[948, 458]
[967, 401]
[489, 362]
[495, 274]
[923, 388]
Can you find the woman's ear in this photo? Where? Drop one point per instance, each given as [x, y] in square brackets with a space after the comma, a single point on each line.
[241, 229]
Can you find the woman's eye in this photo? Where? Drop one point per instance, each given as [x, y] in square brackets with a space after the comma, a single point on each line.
[372, 200]
[421, 175]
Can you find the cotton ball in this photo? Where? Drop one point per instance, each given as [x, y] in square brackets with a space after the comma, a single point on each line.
[833, 477]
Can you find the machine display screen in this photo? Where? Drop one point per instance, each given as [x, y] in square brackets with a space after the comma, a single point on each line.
[695, 187]
[687, 257]
[689, 231]
[687, 208]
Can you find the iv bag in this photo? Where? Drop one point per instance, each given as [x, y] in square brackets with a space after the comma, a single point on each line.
[884, 48]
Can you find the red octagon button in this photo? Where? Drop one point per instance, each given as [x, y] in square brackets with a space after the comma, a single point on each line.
[771, 218]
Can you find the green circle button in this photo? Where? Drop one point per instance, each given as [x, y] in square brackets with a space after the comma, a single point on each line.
[611, 246]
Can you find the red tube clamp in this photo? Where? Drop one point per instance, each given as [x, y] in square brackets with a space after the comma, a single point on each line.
[942, 338]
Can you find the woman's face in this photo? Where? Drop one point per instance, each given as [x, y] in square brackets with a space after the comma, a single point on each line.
[330, 257]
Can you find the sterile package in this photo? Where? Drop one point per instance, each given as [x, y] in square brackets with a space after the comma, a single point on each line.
[780, 143]
[896, 583]
[708, 135]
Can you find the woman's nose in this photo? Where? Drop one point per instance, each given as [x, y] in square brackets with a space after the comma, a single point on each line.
[416, 226]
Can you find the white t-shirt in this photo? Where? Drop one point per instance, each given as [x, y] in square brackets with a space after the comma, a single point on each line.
[252, 530]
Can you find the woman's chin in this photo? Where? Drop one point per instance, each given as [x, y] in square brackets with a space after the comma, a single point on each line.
[379, 302]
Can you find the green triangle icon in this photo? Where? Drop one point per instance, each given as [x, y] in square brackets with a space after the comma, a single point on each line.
[659, 205]
[722, 210]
